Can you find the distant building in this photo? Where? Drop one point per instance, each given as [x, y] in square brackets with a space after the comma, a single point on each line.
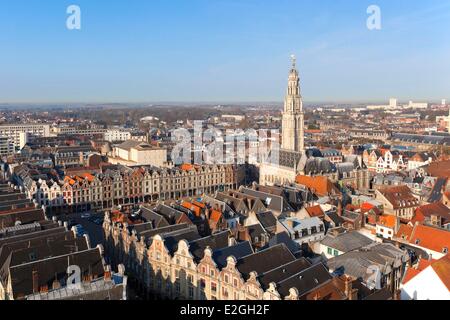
[138, 153]
[6, 147]
[15, 132]
[114, 135]
[398, 201]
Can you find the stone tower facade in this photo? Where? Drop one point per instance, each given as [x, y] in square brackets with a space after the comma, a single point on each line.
[293, 116]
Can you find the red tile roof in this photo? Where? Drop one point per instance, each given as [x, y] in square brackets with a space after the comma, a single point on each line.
[442, 269]
[366, 206]
[437, 209]
[190, 206]
[431, 238]
[320, 184]
[412, 272]
[315, 211]
[439, 169]
[215, 216]
[387, 221]
[404, 232]
[400, 197]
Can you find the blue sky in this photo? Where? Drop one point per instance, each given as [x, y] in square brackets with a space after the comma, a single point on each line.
[222, 50]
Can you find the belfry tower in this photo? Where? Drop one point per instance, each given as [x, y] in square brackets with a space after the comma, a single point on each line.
[293, 116]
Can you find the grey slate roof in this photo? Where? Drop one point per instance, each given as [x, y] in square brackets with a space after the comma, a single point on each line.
[305, 281]
[283, 272]
[346, 241]
[256, 231]
[264, 260]
[436, 192]
[356, 263]
[271, 201]
[216, 241]
[171, 239]
[267, 219]
[284, 238]
[164, 230]
[89, 261]
[238, 251]
[425, 139]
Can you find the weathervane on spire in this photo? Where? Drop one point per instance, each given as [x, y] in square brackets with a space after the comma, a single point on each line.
[294, 60]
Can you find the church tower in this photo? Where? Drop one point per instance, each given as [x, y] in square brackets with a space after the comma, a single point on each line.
[293, 116]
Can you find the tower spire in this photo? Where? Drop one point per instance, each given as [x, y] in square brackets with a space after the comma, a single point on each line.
[293, 117]
[294, 61]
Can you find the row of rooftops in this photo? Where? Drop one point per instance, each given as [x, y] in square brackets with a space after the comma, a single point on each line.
[277, 263]
[274, 264]
[35, 254]
[28, 173]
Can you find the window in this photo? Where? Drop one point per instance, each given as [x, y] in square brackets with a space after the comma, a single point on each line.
[330, 251]
[336, 253]
[213, 287]
[417, 241]
[445, 250]
[33, 256]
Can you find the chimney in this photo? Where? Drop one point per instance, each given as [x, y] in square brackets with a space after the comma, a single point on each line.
[35, 278]
[56, 285]
[349, 288]
[121, 269]
[231, 241]
[107, 276]
[397, 225]
[339, 208]
[363, 219]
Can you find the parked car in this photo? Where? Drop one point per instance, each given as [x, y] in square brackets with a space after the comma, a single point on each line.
[85, 215]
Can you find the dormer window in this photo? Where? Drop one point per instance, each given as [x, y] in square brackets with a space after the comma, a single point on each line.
[32, 256]
[445, 250]
[417, 241]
